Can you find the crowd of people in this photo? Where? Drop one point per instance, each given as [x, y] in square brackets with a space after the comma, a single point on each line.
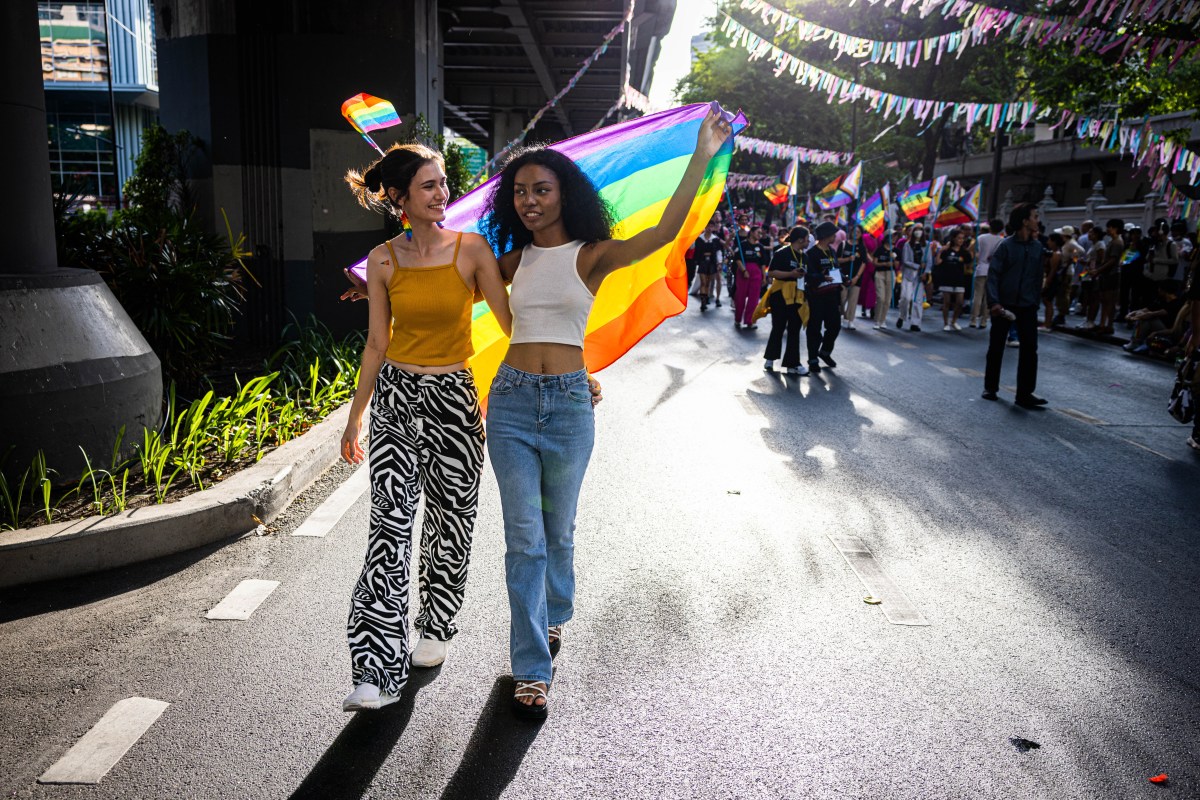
[1112, 279]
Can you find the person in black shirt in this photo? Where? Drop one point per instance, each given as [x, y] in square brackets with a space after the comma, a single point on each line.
[886, 259]
[951, 270]
[785, 299]
[709, 252]
[823, 292]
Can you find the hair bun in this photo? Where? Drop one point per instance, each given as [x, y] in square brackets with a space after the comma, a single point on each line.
[373, 177]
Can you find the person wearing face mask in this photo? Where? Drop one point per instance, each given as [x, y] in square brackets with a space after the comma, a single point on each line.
[916, 261]
[748, 277]
[540, 424]
[426, 429]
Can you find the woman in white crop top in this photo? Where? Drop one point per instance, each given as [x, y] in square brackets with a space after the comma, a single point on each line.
[540, 424]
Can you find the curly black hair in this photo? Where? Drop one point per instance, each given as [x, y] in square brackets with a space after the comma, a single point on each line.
[584, 212]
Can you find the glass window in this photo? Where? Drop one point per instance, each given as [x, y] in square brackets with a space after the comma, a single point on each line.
[74, 41]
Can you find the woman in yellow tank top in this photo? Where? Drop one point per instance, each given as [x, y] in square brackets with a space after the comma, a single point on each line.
[426, 429]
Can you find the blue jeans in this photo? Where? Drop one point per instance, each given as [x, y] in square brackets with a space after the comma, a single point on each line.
[540, 431]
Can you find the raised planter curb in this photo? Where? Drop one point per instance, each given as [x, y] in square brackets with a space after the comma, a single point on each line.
[224, 511]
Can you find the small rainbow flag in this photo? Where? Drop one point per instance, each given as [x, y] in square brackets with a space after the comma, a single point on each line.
[842, 190]
[636, 165]
[777, 194]
[962, 211]
[366, 113]
[872, 215]
[915, 201]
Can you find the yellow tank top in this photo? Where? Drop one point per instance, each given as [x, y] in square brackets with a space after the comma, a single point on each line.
[431, 313]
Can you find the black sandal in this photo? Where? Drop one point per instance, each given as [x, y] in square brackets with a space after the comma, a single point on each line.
[554, 633]
[534, 690]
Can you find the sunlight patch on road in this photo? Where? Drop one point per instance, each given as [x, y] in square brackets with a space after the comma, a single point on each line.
[894, 360]
[882, 420]
[825, 455]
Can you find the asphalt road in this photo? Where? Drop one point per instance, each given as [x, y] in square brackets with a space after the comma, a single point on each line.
[721, 647]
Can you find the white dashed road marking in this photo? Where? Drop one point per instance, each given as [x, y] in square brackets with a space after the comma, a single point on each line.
[896, 606]
[336, 505]
[103, 746]
[241, 602]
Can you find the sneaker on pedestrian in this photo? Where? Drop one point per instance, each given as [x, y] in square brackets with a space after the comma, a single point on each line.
[827, 358]
[956, 326]
[718, 302]
[737, 326]
[429, 652]
[946, 328]
[769, 365]
[849, 326]
[1141, 348]
[915, 328]
[1013, 343]
[900, 323]
[799, 370]
[367, 697]
[814, 367]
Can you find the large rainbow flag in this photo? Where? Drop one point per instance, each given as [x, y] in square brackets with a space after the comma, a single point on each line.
[636, 165]
[872, 214]
[917, 200]
[962, 211]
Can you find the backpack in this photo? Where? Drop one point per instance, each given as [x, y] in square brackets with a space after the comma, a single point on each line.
[1182, 405]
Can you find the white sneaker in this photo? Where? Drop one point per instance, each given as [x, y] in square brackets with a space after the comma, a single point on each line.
[367, 697]
[956, 326]
[849, 326]
[947, 328]
[800, 370]
[429, 653]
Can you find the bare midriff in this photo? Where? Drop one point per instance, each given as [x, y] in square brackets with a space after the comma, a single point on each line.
[421, 369]
[545, 358]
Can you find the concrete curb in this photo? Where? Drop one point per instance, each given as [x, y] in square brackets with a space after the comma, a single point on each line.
[223, 512]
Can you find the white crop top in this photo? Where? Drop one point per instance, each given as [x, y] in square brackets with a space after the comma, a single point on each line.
[549, 301]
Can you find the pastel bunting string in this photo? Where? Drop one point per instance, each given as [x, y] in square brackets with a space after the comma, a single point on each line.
[995, 116]
[983, 22]
[742, 180]
[804, 155]
[1184, 11]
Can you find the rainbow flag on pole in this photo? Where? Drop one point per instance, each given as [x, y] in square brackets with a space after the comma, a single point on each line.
[636, 165]
[366, 113]
[842, 190]
[872, 215]
[963, 211]
[915, 200]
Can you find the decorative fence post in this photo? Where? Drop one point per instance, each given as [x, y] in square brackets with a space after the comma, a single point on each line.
[1007, 206]
[1148, 213]
[1095, 201]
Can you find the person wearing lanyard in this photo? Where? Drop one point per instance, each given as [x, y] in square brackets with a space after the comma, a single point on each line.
[785, 300]
[854, 262]
[885, 280]
[823, 290]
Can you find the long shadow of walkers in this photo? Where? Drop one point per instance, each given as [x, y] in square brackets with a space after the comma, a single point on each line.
[349, 765]
[494, 753]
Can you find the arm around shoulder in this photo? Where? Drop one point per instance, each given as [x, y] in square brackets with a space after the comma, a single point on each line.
[488, 278]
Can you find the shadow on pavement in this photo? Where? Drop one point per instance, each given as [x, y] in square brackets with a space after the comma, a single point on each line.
[351, 762]
[30, 600]
[495, 751]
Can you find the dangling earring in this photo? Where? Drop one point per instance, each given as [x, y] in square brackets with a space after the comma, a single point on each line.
[406, 225]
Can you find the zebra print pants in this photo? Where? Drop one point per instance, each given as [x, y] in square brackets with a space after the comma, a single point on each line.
[426, 435]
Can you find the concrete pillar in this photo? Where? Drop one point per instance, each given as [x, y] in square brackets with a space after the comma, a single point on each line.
[1096, 200]
[261, 84]
[1149, 212]
[73, 368]
[1048, 203]
[1007, 206]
